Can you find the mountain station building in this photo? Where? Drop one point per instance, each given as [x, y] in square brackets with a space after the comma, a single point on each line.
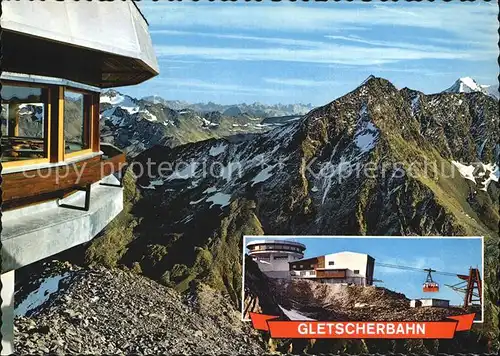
[273, 256]
[342, 267]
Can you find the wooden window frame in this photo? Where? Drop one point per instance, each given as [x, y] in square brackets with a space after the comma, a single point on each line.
[54, 141]
[88, 127]
[47, 119]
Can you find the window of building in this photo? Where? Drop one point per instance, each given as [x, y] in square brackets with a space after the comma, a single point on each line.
[76, 121]
[356, 271]
[24, 123]
[302, 273]
[33, 128]
[331, 263]
[281, 257]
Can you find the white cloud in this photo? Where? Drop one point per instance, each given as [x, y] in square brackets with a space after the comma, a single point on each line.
[403, 69]
[204, 86]
[272, 40]
[328, 54]
[300, 82]
[394, 44]
[473, 25]
[463, 20]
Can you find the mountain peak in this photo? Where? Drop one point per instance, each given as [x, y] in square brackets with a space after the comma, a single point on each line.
[464, 85]
[374, 84]
[371, 79]
[469, 85]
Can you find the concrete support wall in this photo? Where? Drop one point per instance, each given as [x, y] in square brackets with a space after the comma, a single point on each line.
[29, 236]
[7, 313]
[278, 274]
[273, 263]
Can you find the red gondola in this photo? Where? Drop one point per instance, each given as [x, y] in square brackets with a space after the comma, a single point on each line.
[430, 286]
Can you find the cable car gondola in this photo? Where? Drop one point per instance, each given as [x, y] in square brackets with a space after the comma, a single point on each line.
[430, 286]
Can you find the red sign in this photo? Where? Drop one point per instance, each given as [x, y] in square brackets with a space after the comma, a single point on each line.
[280, 329]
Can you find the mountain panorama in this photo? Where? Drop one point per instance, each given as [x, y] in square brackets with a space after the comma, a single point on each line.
[137, 124]
[377, 161]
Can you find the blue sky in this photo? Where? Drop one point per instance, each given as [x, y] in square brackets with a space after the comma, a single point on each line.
[311, 52]
[444, 254]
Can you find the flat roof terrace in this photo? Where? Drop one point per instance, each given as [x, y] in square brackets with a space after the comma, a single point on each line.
[276, 242]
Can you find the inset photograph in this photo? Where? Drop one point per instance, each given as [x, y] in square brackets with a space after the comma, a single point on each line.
[363, 278]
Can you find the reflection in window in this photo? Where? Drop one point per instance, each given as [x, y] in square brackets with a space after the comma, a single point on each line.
[23, 123]
[75, 122]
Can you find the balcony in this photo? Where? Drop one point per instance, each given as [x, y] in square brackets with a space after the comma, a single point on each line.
[42, 182]
[51, 209]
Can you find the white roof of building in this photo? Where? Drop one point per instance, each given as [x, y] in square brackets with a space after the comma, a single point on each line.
[347, 253]
[113, 27]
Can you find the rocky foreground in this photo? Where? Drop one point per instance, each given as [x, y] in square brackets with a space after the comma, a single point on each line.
[116, 312]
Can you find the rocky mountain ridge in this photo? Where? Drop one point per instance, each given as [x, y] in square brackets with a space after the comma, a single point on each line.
[135, 125]
[254, 109]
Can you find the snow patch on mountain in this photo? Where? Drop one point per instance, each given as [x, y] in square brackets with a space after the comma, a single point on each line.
[332, 173]
[153, 184]
[208, 123]
[263, 175]
[217, 150]
[493, 175]
[210, 190]
[184, 171]
[492, 90]
[415, 104]
[366, 133]
[480, 173]
[149, 116]
[466, 171]
[295, 315]
[366, 137]
[116, 99]
[39, 296]
[219, 199]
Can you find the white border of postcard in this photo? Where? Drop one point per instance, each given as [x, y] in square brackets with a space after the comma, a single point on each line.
[357, 237]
